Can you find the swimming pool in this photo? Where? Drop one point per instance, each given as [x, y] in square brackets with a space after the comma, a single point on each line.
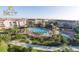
[65, 35]
[68, 34]
[39, 30]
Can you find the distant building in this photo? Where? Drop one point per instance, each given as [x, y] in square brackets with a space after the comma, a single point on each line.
[67, 23]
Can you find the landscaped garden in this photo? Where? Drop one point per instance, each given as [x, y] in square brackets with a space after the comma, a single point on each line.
[9, 35]
[14, 48]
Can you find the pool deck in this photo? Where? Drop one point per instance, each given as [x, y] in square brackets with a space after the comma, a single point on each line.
[44, 32]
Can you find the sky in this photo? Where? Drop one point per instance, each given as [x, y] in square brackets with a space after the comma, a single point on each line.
[49, 12]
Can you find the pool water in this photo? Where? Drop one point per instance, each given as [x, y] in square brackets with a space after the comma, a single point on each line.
[65, 35]
[69, 34]
[39, 30]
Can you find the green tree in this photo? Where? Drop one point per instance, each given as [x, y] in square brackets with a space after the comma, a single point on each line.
[65, 41]
[3, 46]
[20, 36]
[4, 40]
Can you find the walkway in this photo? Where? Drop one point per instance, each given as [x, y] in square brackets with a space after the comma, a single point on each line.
[40, 47]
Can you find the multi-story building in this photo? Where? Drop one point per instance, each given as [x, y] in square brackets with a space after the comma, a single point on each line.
[2, 26]
[7, 23]
[65, 23]
[68, 23]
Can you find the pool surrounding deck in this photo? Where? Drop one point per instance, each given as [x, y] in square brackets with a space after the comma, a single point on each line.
[43, 32]
[39, 30]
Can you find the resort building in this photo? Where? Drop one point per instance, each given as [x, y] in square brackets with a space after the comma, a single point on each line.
[7, 23]
[66, 24]
[21, 22]
[30, 22]
[2, 26]
[76, 23]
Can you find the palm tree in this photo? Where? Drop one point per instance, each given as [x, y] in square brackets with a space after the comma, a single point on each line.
[56, 32]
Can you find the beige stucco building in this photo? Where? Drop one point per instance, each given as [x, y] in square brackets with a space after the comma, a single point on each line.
[6, 23]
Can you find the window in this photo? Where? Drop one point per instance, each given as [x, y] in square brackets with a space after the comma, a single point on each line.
[10, 23]
[1, 24]
[14, 23]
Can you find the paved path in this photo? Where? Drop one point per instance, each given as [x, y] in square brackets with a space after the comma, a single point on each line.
[75, 48]
[40, 47]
